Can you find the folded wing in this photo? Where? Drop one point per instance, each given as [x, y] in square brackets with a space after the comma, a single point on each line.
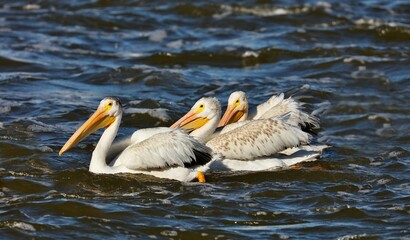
[165, 148]
[258, 138]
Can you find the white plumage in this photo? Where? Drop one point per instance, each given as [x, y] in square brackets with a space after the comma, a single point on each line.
[258, 138]
[162, 148]
[278, 105]
[238, 110]
[161, 152]
[246, 145]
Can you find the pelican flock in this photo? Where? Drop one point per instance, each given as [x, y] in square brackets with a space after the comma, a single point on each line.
[161, 152]
[247, 145]
[267, 138]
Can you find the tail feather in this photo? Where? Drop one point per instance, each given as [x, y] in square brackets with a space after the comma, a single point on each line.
[202, 155]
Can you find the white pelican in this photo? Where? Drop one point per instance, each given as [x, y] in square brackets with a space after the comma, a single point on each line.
[161, 152]
[250, 144]
[202, 120]
[237, 111]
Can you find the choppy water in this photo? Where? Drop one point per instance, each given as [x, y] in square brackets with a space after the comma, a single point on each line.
[58, 59]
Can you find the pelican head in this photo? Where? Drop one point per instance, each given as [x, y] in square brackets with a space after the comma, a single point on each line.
[202, 120]
[237, 109]
[108, 111]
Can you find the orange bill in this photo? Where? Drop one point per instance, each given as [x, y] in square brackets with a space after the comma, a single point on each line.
[231, 116]
[190, 122]
[98, 120]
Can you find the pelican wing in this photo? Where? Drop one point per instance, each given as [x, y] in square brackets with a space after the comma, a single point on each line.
[267, 106]
[168, 148]
[117, 147]
[143, 134]
[258, 138]
[278, 105]
[138, 136]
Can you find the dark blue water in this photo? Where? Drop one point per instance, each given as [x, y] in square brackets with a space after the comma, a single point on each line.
[58, 59]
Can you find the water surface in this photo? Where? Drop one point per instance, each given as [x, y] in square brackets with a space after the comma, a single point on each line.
[58, 59]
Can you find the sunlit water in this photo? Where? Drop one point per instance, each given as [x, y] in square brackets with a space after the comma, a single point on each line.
[58, 59]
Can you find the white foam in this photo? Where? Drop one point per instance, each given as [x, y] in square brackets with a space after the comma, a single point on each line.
[46, 149]
[23, 226]
[134, 102]
[261, 213]
[169, 233]
[41, 128]
[175, 44]
[157, 35]
[258, 11]
[382, 117]
[396, 208]
[225, 13]
[5, 109]
[365, 59]
[166, 201]
[383, 181]
[375, 22]
[273, 11]
[130, 54]
[394, 154]
[351, 237]
[160, 113]
[250, 54]
[351, 59]
[323, 4]
[31, 7]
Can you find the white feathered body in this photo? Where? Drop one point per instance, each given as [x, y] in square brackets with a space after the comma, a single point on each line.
[160, 152]
[250, 145]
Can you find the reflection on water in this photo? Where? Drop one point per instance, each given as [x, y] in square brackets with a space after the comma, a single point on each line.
[59, 58]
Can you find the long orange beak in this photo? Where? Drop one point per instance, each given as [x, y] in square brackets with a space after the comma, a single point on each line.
[98, 120]
[231, 115]
[190, 121]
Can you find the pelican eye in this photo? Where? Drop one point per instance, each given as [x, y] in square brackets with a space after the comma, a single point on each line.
[237, 101]
[200, 108]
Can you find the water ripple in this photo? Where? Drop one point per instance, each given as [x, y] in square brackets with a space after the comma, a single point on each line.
[347, 61]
